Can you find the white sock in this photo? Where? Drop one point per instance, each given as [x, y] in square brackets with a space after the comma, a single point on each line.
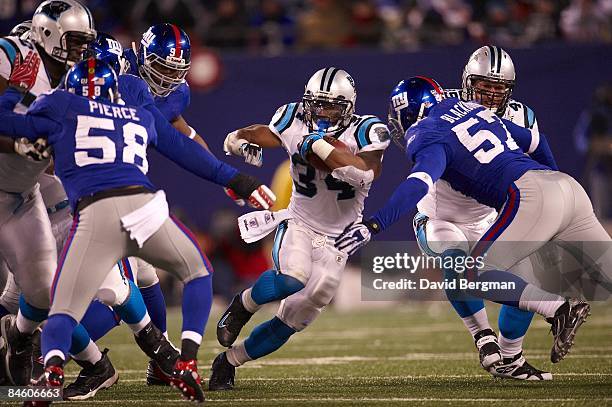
[510, 347]
[24, 325]
[536, 300]
[137, 327]
[237, 355]
[248, 302]
[477, 322]
[90, 354]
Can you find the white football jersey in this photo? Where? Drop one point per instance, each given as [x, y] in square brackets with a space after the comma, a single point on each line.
[444, 203]
[18, 174]
[319, 200]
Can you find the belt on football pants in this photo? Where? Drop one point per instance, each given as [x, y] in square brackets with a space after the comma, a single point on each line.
[85, 201]
[58, 207]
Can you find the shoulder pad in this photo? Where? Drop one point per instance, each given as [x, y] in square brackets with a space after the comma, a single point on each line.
[362, 130]
[284, 116]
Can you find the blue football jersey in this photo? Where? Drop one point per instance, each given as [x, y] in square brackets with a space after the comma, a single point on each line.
[96, 146]
[482, 157]
[171, 106]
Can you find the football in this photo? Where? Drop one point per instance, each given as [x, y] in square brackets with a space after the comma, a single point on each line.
[316, 161]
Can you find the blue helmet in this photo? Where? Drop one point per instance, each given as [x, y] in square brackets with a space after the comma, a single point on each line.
[412, 100]
[106, 48]
[93, 79]
[164, 58]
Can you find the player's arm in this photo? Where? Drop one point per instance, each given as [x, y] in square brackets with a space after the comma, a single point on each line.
[184, 128]
[430, 164]
[199, 161]
[532, 142]
[249, 143]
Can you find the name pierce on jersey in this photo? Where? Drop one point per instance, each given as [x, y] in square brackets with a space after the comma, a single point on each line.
[115, 112]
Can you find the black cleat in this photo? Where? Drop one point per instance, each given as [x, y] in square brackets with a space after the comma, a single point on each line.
[232, 321]
[564, 324]
[155, 376]
[92, 377]
[222, 375]
[186, 379]
[38, 366]
[155, 345]
[519, 369]
[489, 351]
[18, 359]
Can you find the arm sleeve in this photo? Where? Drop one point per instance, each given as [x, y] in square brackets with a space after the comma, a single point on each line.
[282, 120]
[430, 164]
[36, 123]
[534, 143]
[187, 153]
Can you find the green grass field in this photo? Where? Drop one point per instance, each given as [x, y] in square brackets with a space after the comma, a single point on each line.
[412, 354]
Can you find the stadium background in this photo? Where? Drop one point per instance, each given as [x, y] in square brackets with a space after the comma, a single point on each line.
[252, 56]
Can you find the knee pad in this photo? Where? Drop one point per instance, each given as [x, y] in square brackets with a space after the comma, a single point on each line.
[272, 286]
[298, 314]
[324, 290]
[442, 235]
[115, 289]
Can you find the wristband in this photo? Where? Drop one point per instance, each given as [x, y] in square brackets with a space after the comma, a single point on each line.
[322, 148]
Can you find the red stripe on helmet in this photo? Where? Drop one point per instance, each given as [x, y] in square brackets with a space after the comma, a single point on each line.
[177, 40]
[91, 70]
[432, 83]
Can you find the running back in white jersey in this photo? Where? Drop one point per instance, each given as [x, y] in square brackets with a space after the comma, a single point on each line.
[319, 200]
[445, 203]
[18, 174]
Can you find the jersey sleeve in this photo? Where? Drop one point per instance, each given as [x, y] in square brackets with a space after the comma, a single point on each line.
[372, 134]
[8, 53]
[134, 91]
[173, 105]
[282, 120]
[40, 120]
[424, 134]
[533, 143]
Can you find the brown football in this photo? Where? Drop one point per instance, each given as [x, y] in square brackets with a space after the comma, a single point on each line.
[316, 161]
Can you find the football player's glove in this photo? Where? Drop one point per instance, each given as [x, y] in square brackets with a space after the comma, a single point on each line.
[237, 200]
[37, 151]
[252, 153]
[24, 72]
[247, 187]
[305, 145]
[355, 236]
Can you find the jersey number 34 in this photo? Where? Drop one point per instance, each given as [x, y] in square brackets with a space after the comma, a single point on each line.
[133, 147]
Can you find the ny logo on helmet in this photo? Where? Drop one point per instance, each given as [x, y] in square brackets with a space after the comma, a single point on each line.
[114, 46]
[400, 101]
[147, 38]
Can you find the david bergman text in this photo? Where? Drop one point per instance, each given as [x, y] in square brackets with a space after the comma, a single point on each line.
[425, 284]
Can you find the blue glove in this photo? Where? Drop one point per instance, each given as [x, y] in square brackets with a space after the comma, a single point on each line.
[305, 146]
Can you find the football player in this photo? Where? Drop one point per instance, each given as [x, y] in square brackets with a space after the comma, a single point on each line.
[116, 183]
[447, 219]
[60, 31]
[307, 268]
[446, 139]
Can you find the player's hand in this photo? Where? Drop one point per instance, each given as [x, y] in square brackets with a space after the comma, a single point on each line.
[353, 238]
[237, 200]
[305, 146]
[252, 191]
[252, 153]
[397, 133]
[25, 72]
[37, 151]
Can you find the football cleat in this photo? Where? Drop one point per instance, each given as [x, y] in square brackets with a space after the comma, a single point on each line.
[53, 377]
[185, 378]
[489, 351]
[564, 324]
[92, 377]
[155, 376]
[155, 345]
[38, 365]
[222, 375]
[233, 319]
[518, 368]
[18, 359]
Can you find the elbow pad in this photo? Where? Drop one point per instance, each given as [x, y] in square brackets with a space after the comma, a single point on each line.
[354, 176]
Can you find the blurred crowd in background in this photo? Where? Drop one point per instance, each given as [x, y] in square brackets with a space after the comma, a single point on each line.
[275, 26]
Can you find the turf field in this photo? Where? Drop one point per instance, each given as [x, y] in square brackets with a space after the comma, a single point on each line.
[413, 354]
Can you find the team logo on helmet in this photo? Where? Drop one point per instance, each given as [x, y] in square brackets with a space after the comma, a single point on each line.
[55, 8]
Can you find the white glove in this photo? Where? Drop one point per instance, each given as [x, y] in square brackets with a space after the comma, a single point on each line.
[37, 151]
[252, 153]
[353, 238]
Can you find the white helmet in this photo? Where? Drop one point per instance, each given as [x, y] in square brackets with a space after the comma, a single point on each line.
[329, 100]
[63, 28]
[493, 65]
